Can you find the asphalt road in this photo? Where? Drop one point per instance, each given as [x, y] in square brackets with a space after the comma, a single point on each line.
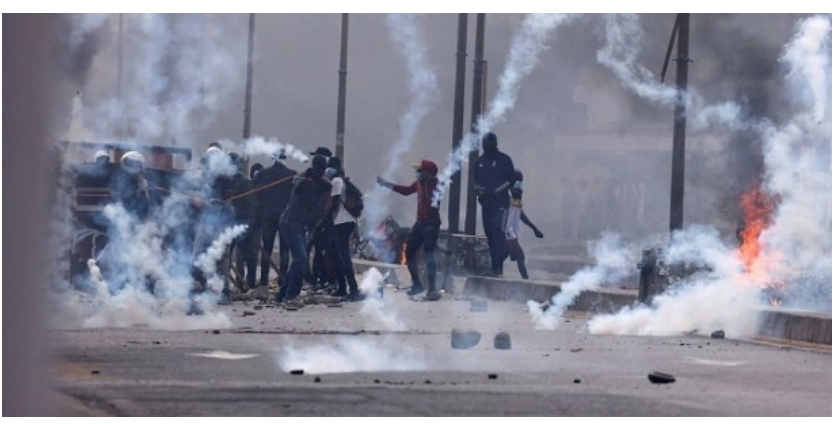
[394, 357]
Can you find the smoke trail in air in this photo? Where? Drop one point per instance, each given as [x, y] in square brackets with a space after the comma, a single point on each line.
[423, 94]
[527, 44]
[793, 266]
[614, 262]
[711, 287]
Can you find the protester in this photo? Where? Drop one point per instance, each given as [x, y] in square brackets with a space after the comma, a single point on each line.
[426, 228]
[297, 220]
[343, 225]
[494, 174]
[243, 250]
[274, 185]
[322, 272]
[516, 214]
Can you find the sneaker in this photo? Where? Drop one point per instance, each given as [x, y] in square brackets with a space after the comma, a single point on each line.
[433, 296]
[493, 274]
[355, 297]
[294, 303]
[338, 293]
[415, 290]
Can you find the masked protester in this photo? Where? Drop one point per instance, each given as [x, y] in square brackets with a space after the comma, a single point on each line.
[494, 174]
[213, 215]
[297, 221]
[130, 187]
[426, 228]
[515, 216]
[322, 273]
[243, 248]
[274, 184]
[343, 225]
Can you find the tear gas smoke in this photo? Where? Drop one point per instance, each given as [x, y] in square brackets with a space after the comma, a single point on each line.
[614, 262]
[349, 355]
[374, 306]
[528, 43]
[795, 256]
[424, 95]
[719, 295]
[207, 261]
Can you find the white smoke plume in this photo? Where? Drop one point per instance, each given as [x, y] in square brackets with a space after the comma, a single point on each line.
[527, 44]
[423, 94]
[620, 53]
[374, 306]
[269, 146]
[349, 355]
[623, 35]
[795, 258]
[614, 262]
[717, 295]
[175, 74]
[207, 261]
[136, 261]
[798, 170]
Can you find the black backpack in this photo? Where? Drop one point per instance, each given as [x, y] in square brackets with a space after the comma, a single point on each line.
[353, 199]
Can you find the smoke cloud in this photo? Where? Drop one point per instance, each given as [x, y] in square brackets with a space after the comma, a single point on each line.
[795, 259]
[424, 95]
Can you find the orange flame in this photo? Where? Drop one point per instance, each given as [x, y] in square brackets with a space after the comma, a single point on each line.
[758, 208]
[403, 260]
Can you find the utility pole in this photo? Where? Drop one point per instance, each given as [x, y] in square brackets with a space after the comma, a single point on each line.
[121, 56]
[247, 109]
[477, 110]
[340, 114]
[457, 122]
[679, 137]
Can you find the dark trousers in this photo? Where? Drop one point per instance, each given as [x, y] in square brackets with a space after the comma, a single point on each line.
[422, 235]
[516, 253]
[268, 233]
[494, 218]
[345, 275]
[323, 269]
[296, 239]
[246, 257]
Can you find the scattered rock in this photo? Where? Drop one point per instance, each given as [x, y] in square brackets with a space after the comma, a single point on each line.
[464, 339]
[576, 381]
[502, 340]
[296, 372]
[492, 376]
[248, 313]
[317, 380]
[661, 378]
[215, 331]
[717, 334]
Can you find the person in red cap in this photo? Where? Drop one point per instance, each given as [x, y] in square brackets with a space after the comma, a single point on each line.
[426, 228]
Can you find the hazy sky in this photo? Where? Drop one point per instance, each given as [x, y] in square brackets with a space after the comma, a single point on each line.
[572, 121]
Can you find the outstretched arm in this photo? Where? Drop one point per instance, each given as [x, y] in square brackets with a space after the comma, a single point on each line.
[404, 190]
[530, 224]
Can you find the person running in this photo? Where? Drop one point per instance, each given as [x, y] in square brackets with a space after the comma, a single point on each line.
[514, 217]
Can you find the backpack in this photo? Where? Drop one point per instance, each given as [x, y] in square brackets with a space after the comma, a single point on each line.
[353, 202]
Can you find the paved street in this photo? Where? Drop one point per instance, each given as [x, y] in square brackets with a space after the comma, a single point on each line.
[394, 357]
